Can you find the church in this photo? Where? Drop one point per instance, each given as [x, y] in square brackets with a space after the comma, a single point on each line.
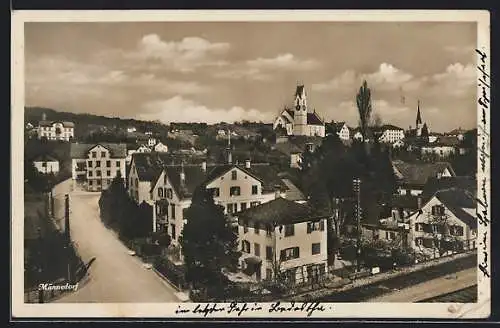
[299, 121]
[421, 129]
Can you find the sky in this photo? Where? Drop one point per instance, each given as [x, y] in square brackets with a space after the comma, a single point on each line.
[220, 71]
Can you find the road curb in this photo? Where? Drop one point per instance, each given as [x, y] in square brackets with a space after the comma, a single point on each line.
[170, 284]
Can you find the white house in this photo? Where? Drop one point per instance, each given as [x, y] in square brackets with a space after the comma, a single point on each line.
[160, 148]
[445, 222]
[46, 164]
[443, 147]
[299, 121]
[398, 144]
[356, 134]
[390, 134]
[140, 149]
[56, 130]
[96, 165]
[342, 130]
[412, 177]
[151, 141]
[284, 238]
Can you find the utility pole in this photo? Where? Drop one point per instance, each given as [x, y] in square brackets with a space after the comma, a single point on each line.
[357, 190]
[67, 233]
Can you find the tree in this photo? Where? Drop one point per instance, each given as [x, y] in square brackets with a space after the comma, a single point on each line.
[363, 102]
[377, 121]
[208, 241]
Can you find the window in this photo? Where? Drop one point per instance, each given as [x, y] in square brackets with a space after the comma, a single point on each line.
[243, 206]
[90, 173]
[289, 230]
[136, 183]
[94, 154]
[419, 227]
[169, 193]
[256, 249]
[316, 248]
[419, 241]
[230, 208]
[245, 227]
[234, 191]
[98, 182]
[44, 164]
[255, 189]
[269, 230]
[215, 192]
[160, 192]
[269, 253]
[108, 163]
[103, 154]
[289, 254]
[435, 228]
[91, 183]
[89, 163]
[172, 206]
[315, 226]
[256, 228]
[437, 210]
[234, 175]
[117, 163]
[389, 235]
[245, 246]
[108, 173]
[172, 229]
[97, 163]
[457, 230]
[98, 173]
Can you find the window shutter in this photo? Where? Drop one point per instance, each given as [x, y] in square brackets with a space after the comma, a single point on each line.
[433, 210]
[296, 252]
[322, 225]
[308, 227]
[283, 255]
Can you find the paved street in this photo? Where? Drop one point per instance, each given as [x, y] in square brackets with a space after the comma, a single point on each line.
[432, 288]
[115, 276]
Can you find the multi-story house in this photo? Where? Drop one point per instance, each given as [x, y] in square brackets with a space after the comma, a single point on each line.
[390, 134]
[234, 187]
[283, 239]
[447, 222]
[46, 164]
[56, 130]
[341, 129]
[443, 147]
[412, 177]
[96, 165]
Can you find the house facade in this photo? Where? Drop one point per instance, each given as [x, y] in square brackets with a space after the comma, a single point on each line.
[46, 164]
[299, 121]
[96, 165]
[444, 223]
[160, 148]
[56, 130]
[391, 134]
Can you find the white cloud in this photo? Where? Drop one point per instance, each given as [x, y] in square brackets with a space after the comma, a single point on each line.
[284, 61]
[179, 109]
[239, 73]
[184, 55]
[346, 80]
[457, 80]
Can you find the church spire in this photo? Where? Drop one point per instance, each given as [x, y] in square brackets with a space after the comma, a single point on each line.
[419, 117]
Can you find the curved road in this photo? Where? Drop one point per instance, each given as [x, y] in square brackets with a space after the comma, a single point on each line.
[115, 276]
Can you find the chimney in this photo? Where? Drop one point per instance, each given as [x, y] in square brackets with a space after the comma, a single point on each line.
[204, 166]
[229, 157]
[247, 163]
[182, 175]
[419, 202]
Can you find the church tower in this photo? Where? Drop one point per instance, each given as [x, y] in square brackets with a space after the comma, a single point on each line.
[419, 124]
[300, 112]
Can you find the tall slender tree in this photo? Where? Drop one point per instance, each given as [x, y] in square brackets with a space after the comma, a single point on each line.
[364, 104]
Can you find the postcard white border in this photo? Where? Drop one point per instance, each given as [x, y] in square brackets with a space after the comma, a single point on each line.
[481, 309]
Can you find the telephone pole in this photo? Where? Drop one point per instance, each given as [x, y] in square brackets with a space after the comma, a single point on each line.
[357, 190]
[67, 233]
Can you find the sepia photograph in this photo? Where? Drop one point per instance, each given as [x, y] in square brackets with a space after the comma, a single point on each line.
[238, 164]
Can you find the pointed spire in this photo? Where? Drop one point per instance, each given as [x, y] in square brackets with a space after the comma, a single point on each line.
[419, 117]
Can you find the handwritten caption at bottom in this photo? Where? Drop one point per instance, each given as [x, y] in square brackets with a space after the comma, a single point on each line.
[238, 309]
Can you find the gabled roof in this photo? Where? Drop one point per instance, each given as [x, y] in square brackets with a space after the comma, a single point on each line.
[150, 165]
[390, 127]
[45, 158]
[314, 119]
[64, 123]
[404, 201]
[293, 193]
[469, 184]
[449, 141]
[456, 200]
[288, 148]
[194, 177]
[418, 173]
[116, 150]
[278, 211]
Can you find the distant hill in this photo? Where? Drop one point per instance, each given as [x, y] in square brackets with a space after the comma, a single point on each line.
[85, 123]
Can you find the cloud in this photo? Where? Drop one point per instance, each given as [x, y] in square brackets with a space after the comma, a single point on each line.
[239, 73]
[460, 50]
[179, 109]
[387, 77]
[185, 55]
[284, 61]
